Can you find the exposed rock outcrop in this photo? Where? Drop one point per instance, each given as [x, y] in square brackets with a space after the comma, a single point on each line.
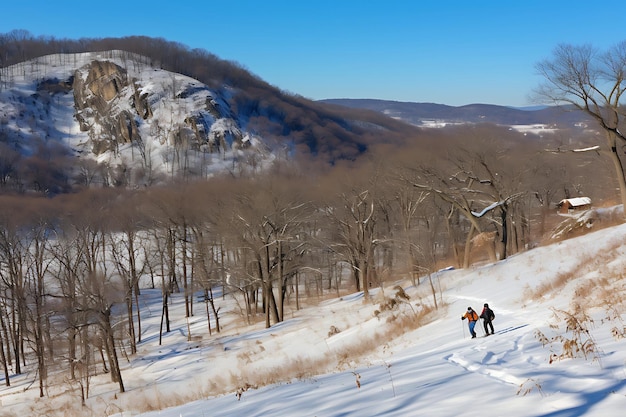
[96, 88]
[112, 106]
[140, 103]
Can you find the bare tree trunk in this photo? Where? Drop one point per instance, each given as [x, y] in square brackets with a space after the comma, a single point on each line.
[215, 311]
[281, 280]
[3, 357]
[432, 288]
[186, 288]
[505, 229]
[468, 247]
[619, 168]
[165, 316]
[116, 373]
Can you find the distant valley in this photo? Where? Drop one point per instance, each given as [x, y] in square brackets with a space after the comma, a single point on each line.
[431, 114]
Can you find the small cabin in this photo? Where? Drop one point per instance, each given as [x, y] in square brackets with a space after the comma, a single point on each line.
[574, 204]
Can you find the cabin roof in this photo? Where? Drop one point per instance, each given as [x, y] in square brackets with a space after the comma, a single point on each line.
[576, 201]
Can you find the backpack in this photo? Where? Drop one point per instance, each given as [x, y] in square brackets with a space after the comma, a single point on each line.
[488, 314]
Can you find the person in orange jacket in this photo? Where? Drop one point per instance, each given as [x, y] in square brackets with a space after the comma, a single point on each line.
[472, 318]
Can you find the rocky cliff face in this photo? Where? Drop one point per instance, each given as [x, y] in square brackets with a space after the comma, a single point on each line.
[101, 87]
[96, 88]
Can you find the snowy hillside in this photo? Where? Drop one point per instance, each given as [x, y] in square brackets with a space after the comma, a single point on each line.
[118, 109]
[559, 350]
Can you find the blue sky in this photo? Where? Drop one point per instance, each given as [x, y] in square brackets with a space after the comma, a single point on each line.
[448, 52]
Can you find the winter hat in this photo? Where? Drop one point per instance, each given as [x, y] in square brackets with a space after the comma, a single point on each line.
[469, 308]
[486, 305]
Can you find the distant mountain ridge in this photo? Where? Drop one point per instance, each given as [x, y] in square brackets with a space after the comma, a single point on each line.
[145, 110]
[142, 111]
[420, 113]
[119, 118]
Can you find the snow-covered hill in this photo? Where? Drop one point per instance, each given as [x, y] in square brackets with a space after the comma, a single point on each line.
[118, 109]
[559, 350]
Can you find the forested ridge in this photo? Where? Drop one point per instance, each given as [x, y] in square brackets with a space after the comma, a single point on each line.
[327, 132]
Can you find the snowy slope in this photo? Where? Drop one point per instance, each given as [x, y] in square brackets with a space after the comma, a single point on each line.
[300, 368]
[437, 370]
[32, 114]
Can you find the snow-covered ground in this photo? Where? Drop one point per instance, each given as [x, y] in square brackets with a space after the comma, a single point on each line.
[536, 129]
[370, 368]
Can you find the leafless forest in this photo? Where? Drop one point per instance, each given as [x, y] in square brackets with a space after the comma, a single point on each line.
[72, 265]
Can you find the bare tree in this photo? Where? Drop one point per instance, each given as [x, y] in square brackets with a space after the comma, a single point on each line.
[409, 202]
[482, 179]
[353, 213]
[13, 278]
[594, 82]
[126, 250]
[264, 223]
[100, 294]
[68, 255]
[208, 268]
[4, 345]
[37, 266]
[87, 287]
[440, 184]
[161, 242]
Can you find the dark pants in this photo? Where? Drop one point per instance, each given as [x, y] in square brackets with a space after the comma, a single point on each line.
[488, 323]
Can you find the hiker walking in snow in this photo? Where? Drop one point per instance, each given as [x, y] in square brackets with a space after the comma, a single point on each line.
[472, 318]
[487, 315]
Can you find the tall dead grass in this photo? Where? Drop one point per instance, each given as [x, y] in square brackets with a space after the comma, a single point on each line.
[575, 341]
[399, 316]
[605, 291]
[586, 262]
[599, 263]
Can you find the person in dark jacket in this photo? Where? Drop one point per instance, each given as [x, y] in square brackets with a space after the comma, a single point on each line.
[472, 318]
[487, 315]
